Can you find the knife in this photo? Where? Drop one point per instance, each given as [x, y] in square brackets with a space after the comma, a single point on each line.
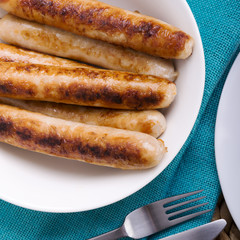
[207, 231]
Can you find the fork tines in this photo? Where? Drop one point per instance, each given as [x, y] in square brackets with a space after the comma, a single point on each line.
[174, 214]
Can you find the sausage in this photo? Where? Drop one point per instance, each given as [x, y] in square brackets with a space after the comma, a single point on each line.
[10, 53]
[92, 144]
[101, 21]
[84, 86]
[150, 121]
[61, 43]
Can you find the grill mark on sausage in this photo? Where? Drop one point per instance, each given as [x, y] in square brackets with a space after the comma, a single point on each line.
[180, 39]
[117, 152]
[26, 68]
[24, 134]
[55, 144]
[49, 141]
[6, 88]
[10, 88]
[91, 16]
[6, 126]
[147, 29]
[132, 98]
[45, 7]
[31, 68]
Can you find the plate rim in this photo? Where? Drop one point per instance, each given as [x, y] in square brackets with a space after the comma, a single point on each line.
[216, 149]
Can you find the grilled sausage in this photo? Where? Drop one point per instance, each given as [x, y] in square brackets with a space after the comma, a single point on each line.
[84, 86]
[101, 21]
[61, 43]
[92, 144]
[151, 121]
[10, 53]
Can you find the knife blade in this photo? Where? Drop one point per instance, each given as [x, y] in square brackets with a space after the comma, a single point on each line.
[207, 231]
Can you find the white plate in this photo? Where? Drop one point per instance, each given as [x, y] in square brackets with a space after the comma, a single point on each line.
[227, 141]
[53, 184]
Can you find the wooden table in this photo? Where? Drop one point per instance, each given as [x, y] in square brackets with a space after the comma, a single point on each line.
[230, 232]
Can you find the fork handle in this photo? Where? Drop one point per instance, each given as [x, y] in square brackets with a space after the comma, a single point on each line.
[115, 234]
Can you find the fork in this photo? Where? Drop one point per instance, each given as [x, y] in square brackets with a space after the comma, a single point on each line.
[155, 217]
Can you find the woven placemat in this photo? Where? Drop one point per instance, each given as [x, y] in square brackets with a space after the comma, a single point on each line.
[230, 232]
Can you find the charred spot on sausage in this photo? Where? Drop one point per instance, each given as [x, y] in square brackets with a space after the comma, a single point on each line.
[108, 151]
[25, 134]
[49, 141]
[6, 88]
[6, 126]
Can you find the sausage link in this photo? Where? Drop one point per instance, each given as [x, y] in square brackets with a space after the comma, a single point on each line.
[61, 43]
[101, 21]
[92, 144]
[10, 53]
[151, 122]
[84, 86]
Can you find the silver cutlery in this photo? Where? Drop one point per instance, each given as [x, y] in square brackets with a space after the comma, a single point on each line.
[207, 231]
[155, 217]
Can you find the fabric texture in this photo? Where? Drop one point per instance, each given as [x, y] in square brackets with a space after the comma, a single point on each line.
[193, 168]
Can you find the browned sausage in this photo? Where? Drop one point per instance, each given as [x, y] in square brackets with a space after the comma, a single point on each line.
[10, 53]
[61, 43]
[101, 21]
[85, 86]
[92, 144]
[149, 121]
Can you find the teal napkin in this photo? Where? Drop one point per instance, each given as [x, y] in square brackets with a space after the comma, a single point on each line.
[193, 168]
